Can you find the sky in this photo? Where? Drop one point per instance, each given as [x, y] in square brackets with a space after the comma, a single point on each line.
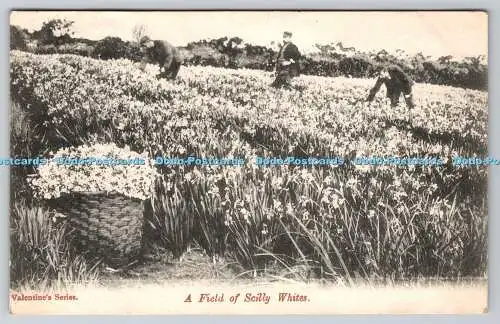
[435, 34]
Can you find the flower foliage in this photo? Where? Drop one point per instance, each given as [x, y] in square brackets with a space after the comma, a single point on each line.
[396, 219]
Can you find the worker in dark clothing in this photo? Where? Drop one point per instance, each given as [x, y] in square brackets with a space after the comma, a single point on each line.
[396, 82]
[162, 53]
[287, 63]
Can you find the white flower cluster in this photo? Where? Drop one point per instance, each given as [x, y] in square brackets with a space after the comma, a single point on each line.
[132, 180]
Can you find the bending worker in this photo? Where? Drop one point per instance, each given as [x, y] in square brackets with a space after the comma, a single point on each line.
[162, 53]
[396, 81]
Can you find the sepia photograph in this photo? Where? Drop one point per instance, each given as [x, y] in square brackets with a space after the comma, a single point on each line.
[248, 162]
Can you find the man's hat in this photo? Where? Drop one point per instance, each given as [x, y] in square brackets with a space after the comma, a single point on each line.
[287, 34]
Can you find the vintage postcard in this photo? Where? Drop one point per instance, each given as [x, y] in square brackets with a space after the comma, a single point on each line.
[239, 162]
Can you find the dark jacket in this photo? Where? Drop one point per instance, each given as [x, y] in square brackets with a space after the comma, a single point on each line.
[288, 51]
[395, 80]
[164, 54]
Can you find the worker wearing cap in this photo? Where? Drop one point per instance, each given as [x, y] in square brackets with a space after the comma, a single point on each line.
[163, 53]
[396, 82]
[287, 62]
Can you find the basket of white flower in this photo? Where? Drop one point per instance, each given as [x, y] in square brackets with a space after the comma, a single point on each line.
[101, 190]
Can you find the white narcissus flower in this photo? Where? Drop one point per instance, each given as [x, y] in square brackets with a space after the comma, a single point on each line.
[131, 180]
[327, 115]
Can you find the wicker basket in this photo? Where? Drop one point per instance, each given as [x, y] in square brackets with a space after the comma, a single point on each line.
[108, 226]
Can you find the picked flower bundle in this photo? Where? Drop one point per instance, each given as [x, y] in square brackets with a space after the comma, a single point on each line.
[95, 169]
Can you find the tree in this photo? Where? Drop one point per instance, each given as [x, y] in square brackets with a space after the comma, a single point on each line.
[17, 38]
[138, 32]
[475, 61]
[445, 59]
[54, 31]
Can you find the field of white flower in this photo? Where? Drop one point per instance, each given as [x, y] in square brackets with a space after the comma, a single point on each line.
[338, 222]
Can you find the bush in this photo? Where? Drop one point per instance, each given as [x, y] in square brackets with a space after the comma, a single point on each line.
[17, 39]
[46, 49]
[133, 52]
[76, 48]
[110, 48]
